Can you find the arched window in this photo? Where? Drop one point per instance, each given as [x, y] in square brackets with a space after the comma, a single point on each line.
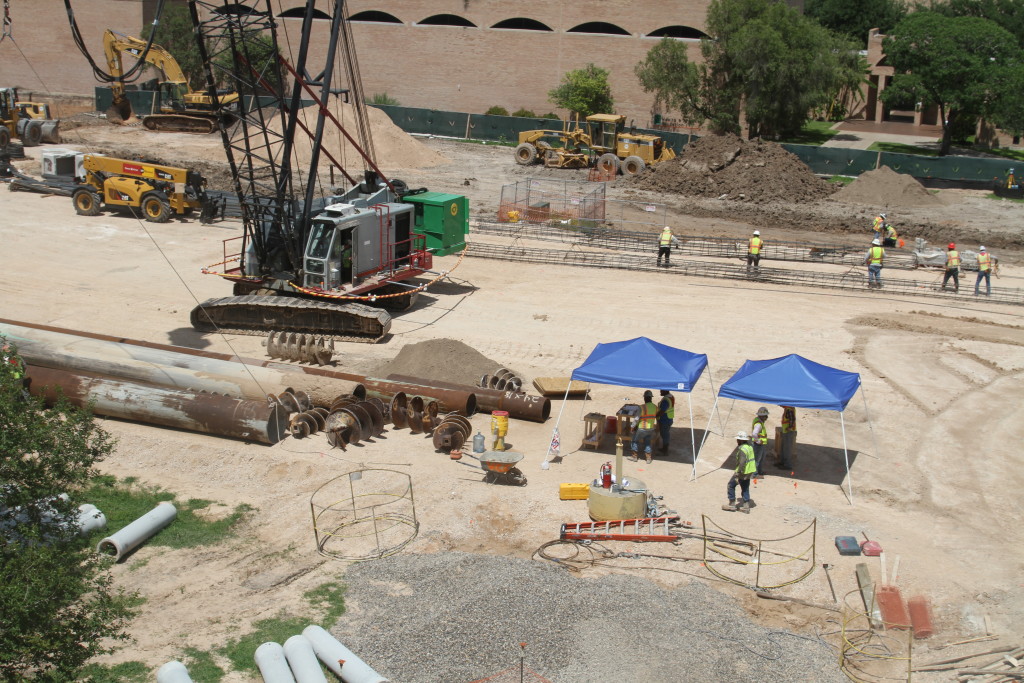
[686, 32]
[522, 24]
[375, 17]
[299, 12]
[600, 27]
[446, 20]
[235, 8]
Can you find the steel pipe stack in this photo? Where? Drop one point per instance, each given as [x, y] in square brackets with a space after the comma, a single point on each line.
[519, 405]
[462, 401]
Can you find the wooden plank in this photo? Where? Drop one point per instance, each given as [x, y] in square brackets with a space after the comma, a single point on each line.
[556, 386]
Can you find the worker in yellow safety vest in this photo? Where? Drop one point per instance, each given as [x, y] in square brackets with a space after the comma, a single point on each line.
[891, 236]
[952, 268]
[877, 226]
[874, 260]
[665, 243]
[759, 437]
[986, 263]
[754, 247]
[645, 428]
[666, 414]
[788, 437]
[745, 468]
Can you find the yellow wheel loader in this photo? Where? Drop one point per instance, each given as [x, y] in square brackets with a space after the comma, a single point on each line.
[602, 140]
[154, 190]
[28, 121]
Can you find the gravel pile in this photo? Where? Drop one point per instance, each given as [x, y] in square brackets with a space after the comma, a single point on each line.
[460, 617]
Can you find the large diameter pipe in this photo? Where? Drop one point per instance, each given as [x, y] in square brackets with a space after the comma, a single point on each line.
[257, 421]
[302, 660]
[132, 536]
[173, 672]
[90, 519]
[272, 664]
[449, 400]
[519, 405]
[168, 367]
[339, 659]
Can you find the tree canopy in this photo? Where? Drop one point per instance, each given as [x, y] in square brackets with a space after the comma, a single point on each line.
[960, 64]
[763, 60]
[174, 33]
[57, 605]
[855, 19]
[584, 91]
[1007, 13]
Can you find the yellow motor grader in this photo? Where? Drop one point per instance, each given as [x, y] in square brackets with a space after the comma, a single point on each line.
[602, 140]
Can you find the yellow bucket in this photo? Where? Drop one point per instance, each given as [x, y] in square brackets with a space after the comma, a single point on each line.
[499, 422]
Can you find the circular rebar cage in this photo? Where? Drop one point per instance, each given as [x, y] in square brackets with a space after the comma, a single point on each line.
[760, 562]
[365, 514]
[872, 650]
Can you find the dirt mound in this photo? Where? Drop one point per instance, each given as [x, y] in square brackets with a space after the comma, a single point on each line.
[729, 167]
[394, 147]
[444, 360]
[885, 187]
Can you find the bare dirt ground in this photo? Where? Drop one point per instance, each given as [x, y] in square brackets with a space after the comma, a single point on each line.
[936, 473]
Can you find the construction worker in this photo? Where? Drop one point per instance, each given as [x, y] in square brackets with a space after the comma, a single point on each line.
[645, 428]
[665, 243]
[877, 226]
[788, 437]
[745, 468]
[952, 268]
[759, 437]
[666, 414]
[754, 247]
[874, 260]
[890, 236]
[985, 263]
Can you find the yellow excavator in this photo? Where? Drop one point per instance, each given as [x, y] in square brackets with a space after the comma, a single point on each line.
[181, 109]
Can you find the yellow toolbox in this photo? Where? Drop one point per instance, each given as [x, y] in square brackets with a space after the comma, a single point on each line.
[574, 491]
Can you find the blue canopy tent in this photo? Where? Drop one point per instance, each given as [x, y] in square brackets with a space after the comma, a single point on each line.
[795, 381]
[641, 362]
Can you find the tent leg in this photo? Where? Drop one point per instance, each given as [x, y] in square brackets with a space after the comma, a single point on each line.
[874, 443]
[721, 427]
[703, 438]
[693, 439]
[846, 456]
[558, 420]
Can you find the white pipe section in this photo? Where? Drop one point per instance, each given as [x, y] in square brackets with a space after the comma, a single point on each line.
[339, 659]
[273, 666]
[90, 519]
[130, 537]
[173, 672]
[302, 660]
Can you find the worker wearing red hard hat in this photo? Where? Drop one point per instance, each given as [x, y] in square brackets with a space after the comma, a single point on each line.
[952, 268]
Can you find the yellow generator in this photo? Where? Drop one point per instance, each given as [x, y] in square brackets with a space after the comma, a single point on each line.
[157, 190]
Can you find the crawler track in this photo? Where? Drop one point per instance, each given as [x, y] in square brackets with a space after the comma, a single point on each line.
[257, 315]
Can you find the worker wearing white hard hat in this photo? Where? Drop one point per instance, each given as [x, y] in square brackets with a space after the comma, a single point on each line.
[874, 260]
[665, 243]
[986, 264]
[877, 225]
[754, 247]
[745, 469]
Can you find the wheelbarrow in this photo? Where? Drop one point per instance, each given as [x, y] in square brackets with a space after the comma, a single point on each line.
[501, 467]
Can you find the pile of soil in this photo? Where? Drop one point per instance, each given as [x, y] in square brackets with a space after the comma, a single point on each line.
[728, 167]
[444, 360]
[885, 187]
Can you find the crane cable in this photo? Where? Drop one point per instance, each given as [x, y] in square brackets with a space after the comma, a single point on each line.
[101, 75]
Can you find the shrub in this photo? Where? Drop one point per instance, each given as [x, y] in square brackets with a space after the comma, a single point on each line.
[496, 111]
[524, 113]
[383, 98]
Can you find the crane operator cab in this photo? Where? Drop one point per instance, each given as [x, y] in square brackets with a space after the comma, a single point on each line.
[329, 253]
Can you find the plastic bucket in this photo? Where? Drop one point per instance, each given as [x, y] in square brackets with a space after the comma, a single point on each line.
[499, 422]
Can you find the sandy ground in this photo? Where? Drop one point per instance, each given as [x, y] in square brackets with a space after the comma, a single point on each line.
[935, 473]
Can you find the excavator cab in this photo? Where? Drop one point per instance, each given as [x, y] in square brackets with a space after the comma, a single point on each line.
[330, 253]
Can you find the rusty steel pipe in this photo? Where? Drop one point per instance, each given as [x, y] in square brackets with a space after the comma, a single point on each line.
[169, 366]
[520, 406]
[449, 400]
[198, 412]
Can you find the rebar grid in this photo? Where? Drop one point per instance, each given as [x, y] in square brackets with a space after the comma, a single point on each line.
[848, 280]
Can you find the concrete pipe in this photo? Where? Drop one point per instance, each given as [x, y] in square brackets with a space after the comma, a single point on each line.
[520, 406]
[122, 542]
[449, 400]
[169, 366]
[302, 660]
[339, 659]
[198, 412]
[173, 672]
[90, 519]
[272, 664]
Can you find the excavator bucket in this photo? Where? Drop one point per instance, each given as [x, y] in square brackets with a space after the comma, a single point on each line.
[120, 112]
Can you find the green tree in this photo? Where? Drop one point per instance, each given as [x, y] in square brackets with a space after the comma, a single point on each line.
[1008, 106]
[1007, 13]
[957, 63]
[174, 33]
[57, 605]
[584, 91]
[855, 19]
[675, 81]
